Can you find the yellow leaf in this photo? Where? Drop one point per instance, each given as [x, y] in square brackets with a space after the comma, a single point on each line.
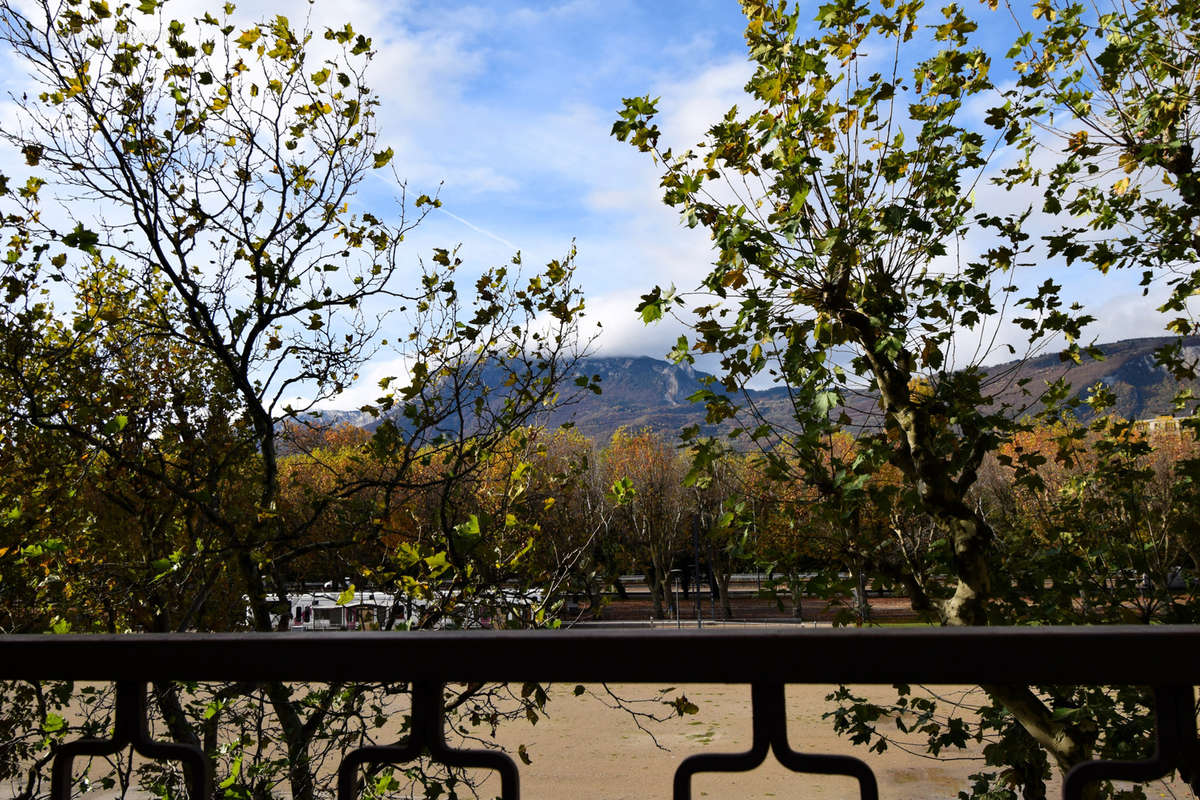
[382, 158]
[735, 278]
[248, 38]
[1121, 186]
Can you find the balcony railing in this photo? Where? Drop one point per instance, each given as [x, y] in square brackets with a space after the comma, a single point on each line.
[1166, 658]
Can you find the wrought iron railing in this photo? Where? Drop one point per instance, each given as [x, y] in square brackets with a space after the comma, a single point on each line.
[1166, 658]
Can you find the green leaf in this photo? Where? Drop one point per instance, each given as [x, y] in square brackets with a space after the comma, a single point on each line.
[82, 238]
[437, 563]
[235, 771]
[116, 424]
[824, 402]
[682, 705]
[382, 158]
[621, 491]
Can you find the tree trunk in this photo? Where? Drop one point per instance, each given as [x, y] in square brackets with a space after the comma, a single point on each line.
[723, 590]
[300, 777]
[796, 590]
[862, 606]
[595, 597]
[943, 494]
[1067, 744]
[167, 695]
[664, 588]
[656, 598]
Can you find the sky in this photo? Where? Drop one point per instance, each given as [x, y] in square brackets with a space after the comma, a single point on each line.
[504, 107]
[510, 105]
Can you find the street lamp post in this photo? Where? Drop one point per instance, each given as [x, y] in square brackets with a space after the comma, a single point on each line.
[696, 568]
[675, 580]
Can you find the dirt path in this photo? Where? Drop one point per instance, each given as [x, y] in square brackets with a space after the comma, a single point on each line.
[587, 750]
[747, 605]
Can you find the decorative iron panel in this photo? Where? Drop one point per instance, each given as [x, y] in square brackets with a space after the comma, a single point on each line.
[1165, 657]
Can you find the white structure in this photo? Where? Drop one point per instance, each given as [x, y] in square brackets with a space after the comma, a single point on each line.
[320, 611]
[369, 611]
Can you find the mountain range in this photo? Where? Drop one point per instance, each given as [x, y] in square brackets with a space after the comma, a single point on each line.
[643, 392]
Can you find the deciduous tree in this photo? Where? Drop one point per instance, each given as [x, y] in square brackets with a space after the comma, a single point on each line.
[840, 204]
[213, 165]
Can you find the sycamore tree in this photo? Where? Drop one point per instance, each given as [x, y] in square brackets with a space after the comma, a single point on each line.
[188, 254]
[851, 258]
[1112, 140]
[840, 207]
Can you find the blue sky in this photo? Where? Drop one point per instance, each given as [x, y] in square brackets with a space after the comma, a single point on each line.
[511, 105]
[516, 107]
[508, 106]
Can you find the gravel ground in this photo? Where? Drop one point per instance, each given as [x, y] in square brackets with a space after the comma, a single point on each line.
[746, 606]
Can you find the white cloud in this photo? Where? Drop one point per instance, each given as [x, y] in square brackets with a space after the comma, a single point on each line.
[624, 331]
[691, 106]
[1130, 314]
[366, 390]
[572, 8]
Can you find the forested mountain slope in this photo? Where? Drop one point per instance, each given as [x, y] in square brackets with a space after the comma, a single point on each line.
[642, 392]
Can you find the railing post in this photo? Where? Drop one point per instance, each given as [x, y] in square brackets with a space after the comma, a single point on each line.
[131, 726]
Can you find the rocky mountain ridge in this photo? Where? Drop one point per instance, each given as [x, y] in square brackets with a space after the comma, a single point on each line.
[643, 392]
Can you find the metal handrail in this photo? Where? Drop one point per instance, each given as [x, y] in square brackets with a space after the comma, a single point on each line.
[1164, 657]
[1111, 655]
